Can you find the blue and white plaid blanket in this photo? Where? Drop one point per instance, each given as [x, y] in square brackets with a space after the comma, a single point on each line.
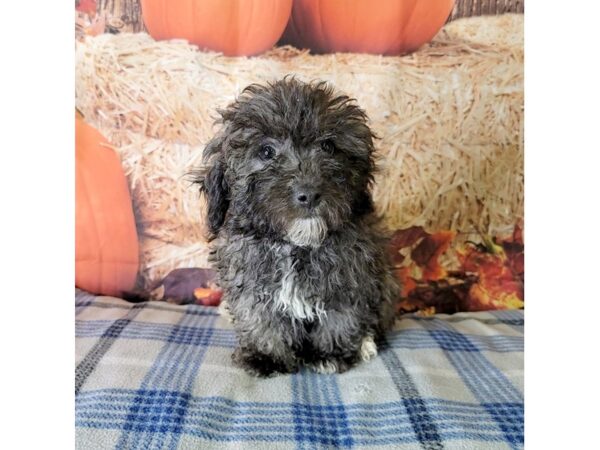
[159, 376]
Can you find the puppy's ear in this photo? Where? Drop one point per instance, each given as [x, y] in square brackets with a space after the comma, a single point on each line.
[214, 185]
[217, 194]
[363, 204]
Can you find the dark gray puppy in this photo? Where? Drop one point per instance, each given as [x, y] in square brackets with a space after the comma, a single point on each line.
[303, 267]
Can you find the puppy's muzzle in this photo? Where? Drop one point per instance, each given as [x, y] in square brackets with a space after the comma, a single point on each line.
[309, 229]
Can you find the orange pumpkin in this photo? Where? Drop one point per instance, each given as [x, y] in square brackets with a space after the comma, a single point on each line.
[387, 27]
[106, 245]
[233, 27]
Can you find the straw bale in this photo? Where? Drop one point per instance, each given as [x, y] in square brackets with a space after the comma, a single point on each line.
[449, 118]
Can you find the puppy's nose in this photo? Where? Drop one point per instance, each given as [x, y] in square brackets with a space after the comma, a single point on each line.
[307, 197]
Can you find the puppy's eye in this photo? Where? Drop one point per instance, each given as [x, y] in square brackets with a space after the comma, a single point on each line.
[266, 152]
[327, 146]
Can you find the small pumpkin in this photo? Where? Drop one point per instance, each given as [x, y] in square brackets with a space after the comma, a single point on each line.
[106, 244]
[233, 27]
[387, 27]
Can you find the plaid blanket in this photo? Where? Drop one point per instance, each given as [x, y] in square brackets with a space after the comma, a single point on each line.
[156, 375]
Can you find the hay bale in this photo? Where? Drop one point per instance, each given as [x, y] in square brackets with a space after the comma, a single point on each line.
[450, 118]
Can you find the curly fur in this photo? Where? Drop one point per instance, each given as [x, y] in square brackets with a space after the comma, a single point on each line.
[295, 243]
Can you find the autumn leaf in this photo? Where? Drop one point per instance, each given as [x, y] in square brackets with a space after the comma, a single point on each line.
[406, 281]
[426, 254]
[426, 312]
[402, 239]
[208, 297]
[515, 253]
[483, 297]
[490, 275]
[448, 295]
[407, 237]
[498, 286]
[518, 233]
[515, 260]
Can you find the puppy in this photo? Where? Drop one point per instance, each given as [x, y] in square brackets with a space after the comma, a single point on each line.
[294, 239]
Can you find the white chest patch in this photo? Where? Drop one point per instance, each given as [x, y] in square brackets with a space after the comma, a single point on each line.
[291, 300]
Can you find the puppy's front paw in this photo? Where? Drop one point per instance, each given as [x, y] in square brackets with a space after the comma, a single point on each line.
[368, 348]
[258, 364]
[331, 365]
[325, 367]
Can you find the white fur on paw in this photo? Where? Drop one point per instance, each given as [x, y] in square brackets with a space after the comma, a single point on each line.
[326, 367]
[368, 348]
[224, 311]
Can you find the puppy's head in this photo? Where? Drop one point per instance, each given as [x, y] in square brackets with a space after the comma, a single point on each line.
[292, 160]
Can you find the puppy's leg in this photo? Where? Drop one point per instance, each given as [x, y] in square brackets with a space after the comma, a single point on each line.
[368, 348]
[338, 343]
[339, 362]
[261, 364]
[264, 349]
[390, 293]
